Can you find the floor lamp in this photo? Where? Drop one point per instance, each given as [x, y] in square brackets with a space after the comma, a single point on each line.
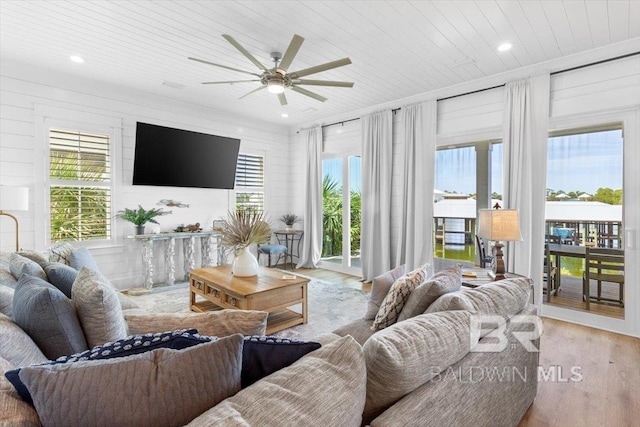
[498, 225]
[14, 199]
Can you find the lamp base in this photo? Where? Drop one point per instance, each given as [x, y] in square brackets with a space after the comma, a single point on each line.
[496, 276]
[497, 263]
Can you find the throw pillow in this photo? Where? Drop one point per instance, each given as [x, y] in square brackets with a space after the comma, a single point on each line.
[136, 344]
[48, 316]
[34, 256]
[406, 355]
[215, 323]
[443, 282]
[159, 388]
[398, 294]
[324, 388]
[61, 252]
[6, 300]
[505, 298]
[16, 346]
[7, 279]
[19, 265]
[61, 276]
[81, 257]
[262, 356]
[379, 290]
[98, 307]
[13, 410]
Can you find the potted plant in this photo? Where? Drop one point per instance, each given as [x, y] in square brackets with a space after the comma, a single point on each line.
[239, 230]
[289, 220]
[139, 217]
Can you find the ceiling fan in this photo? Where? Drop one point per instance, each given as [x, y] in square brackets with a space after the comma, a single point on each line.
[278, 78]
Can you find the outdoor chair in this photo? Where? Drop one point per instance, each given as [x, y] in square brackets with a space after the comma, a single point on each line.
[603, 265]
[482, 253]
[550, 274]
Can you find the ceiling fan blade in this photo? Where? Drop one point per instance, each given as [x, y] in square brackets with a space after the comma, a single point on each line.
[308, 93]
[322, 83]
[253, 91]
[291, 52]
[224, 66]
[230, 82]
[319, 68]
[244, 51]
[282, 98]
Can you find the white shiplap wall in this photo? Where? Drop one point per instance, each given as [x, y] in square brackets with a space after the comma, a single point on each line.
[24, 90]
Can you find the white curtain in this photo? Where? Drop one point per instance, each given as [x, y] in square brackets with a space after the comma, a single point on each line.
[415, 244]
[312, 242]
[525, 132]
[377, 151]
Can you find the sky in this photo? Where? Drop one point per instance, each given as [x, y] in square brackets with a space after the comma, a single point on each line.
[580, 163]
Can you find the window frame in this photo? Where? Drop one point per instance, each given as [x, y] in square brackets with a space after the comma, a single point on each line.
[47, 118]
[242, 189]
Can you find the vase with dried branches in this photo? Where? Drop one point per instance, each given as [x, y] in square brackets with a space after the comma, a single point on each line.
[240, 230]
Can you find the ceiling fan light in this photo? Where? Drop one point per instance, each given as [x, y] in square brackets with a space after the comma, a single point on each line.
[275, 87]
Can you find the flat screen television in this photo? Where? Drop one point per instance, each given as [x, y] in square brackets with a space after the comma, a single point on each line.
[180, 158]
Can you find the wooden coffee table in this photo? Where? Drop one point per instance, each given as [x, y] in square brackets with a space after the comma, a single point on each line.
[267, 291]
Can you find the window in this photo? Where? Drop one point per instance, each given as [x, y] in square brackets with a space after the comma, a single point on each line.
[250, 182]
[80, 186]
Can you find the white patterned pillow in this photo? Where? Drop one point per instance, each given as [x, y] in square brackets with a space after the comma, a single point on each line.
[61, 252]
[98, 308]
[393, 303]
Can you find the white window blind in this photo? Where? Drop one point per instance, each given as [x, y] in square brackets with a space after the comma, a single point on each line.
[80, 186]
[250, 182]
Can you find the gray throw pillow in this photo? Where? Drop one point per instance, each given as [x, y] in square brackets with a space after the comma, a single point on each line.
[443, 282]
[6, 300]
[98, 307]
[152, 388]
[379, 290]
[34, 256]
[48, 316]
[19, 265]
[81, 257]
[61, 276]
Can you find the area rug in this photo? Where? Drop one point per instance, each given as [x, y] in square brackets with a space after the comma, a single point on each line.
[330, 306]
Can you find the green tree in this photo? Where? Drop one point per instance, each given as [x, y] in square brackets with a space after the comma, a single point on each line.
[331, 217]
[608, 195]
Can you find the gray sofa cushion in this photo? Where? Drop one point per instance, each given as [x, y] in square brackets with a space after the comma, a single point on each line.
[81, 257]
[7, 279]
[13, 410]
[505, 298]
[359, 329]
[48, 316]
[163, 387]
[443, 282]
[6, 300]
[19, 265]
[324, 388]
[213, 323]
[17, 346]
[379, 289]
[61, 276]
[98, 307]
[408, 354]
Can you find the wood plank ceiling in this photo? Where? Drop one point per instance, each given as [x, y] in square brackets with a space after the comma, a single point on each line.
[398, 48]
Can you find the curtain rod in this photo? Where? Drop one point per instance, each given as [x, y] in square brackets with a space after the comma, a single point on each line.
[342, 122]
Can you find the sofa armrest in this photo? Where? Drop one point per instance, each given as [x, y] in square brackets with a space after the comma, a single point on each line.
[213, 323]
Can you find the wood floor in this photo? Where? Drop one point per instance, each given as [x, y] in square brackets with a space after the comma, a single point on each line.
[608, 393]
[570, 296]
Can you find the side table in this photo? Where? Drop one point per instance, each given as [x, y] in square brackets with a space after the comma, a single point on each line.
[482, 278]
[289, 239]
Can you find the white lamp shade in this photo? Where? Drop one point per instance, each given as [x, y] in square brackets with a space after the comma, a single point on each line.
[499, 224]
[14, 198]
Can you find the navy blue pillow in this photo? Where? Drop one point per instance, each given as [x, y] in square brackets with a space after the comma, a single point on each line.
[135, 344]
[262, 356]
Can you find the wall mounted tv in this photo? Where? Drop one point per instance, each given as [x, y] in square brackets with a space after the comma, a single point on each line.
[179, 158]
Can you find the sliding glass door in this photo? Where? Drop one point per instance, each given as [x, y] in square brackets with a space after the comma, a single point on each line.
[341, 204]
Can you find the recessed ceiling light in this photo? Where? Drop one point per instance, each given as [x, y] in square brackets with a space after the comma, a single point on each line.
[504, 47]
[76, 58]
[285, 115]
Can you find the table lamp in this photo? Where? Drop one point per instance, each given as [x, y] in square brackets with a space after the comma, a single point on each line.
[498, 225]
[14, 199]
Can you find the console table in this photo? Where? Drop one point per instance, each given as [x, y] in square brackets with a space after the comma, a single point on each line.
[188, 247]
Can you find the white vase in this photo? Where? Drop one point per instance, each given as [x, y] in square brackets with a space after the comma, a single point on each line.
[245, 264]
